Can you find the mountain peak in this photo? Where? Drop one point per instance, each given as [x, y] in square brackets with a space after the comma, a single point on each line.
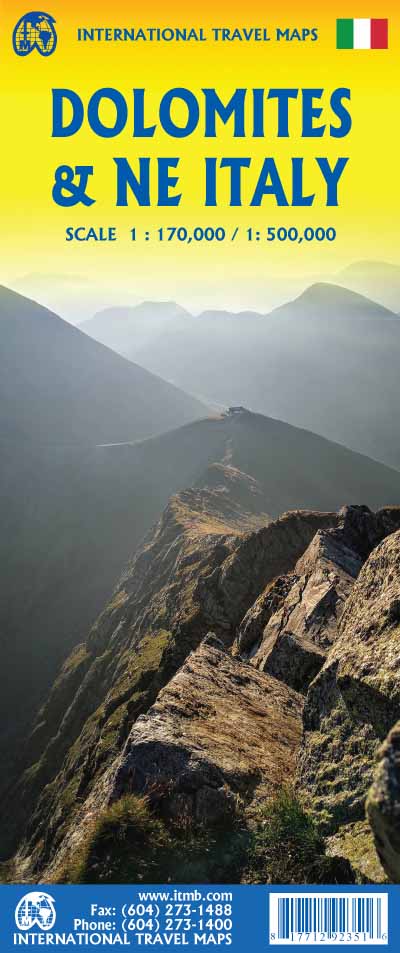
[332, 298]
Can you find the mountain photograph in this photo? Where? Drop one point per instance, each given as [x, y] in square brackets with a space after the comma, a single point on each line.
[200, 557]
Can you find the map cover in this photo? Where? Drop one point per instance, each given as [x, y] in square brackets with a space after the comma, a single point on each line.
[200, 475]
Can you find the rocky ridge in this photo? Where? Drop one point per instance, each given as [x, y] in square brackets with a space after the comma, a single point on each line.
[303, 615]
[194, 573]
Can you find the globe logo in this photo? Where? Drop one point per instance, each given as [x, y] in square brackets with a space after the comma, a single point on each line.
[35, 909]
[35, 31]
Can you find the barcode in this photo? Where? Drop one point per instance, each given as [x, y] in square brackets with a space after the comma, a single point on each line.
[321, 917]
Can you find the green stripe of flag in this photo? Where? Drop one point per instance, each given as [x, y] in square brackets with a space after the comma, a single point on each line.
[345, 34]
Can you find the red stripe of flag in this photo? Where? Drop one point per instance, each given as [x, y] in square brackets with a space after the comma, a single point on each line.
[379, 34]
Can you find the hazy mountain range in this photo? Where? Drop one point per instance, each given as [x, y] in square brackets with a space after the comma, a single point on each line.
[77, 297]
[327, 361]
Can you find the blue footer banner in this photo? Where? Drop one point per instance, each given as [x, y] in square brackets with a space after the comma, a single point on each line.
[243, 919]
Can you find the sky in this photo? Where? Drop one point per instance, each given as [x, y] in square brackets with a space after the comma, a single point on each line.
[238, 274]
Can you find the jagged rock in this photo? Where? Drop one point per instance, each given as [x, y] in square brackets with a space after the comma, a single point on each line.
[355, 698]
[297, 637]
[296, 661]
[364, 529]
[261, 557]
[212, 639]
[218, 729]
[251, 629]
[199, 571]
[354, 843]
[295, 622]
[226, 728]
[383, 804]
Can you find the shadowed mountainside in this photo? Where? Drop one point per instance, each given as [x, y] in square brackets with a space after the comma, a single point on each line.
[66, 529]
[59, 386]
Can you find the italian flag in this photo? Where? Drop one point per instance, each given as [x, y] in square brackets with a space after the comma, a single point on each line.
[362, 34]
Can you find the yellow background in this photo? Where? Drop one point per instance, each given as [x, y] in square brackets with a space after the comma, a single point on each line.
[32, 231]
